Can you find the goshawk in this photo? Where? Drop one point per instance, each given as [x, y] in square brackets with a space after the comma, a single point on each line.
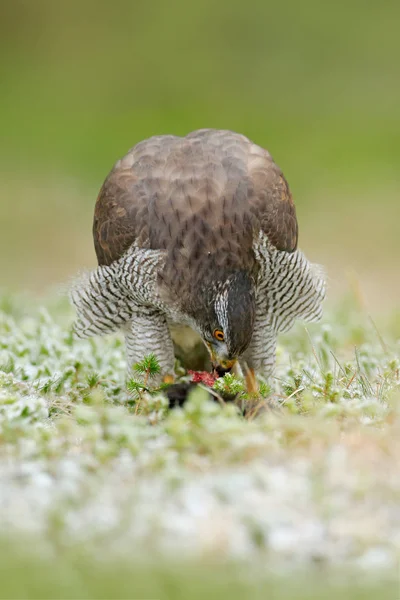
[202, 231]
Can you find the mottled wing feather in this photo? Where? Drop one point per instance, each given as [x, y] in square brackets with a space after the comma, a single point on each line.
[271, 200]
[207, 194]
[125, 205]
[115, 217]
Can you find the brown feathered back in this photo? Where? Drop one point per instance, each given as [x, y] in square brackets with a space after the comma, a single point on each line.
[203, 198]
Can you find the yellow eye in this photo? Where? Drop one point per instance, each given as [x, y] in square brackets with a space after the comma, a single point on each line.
[219, 335]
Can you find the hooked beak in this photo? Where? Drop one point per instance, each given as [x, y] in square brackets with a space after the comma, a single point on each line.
[223, 367]
[220, 364]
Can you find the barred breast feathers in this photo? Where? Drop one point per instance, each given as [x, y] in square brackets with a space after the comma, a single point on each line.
[106, 298]
[290, 287]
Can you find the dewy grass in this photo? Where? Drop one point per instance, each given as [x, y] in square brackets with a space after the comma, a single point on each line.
[309, 478]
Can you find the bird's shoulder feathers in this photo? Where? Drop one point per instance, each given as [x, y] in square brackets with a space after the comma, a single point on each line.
[206, 194]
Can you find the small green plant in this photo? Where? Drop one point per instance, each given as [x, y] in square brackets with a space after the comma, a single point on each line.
[146, 369]
[229, 385]
[93, 379]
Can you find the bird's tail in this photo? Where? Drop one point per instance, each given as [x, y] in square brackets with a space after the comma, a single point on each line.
[101, 305]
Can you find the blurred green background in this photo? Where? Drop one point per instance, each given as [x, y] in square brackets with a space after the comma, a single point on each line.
[317, 83]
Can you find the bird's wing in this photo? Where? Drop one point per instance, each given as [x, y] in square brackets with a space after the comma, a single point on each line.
[211, 190]
[123, 211]
[271, 200]
[250, 183]
[114, 218]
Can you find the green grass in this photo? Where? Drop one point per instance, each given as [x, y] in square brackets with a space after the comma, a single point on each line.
[70, 575]
[102, 498]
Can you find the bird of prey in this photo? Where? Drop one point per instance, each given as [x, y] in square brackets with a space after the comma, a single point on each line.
[198, 230]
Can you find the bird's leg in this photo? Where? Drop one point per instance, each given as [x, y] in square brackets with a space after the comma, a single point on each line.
[250, 376]
[251, 381]
[237, 370]
[260, 355]
[148, 333]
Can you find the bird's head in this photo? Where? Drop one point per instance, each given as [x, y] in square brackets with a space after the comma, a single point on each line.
[227, 319]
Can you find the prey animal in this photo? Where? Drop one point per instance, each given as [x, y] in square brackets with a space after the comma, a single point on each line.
[200, 231]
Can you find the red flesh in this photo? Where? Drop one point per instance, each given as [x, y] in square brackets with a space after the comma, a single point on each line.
[203, 377]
